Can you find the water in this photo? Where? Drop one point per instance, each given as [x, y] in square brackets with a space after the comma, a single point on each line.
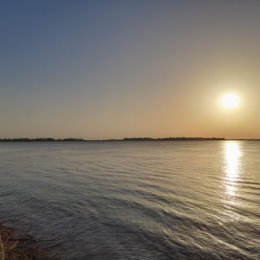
[136, 200]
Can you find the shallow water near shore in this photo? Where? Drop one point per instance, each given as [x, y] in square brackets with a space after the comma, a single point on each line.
[136, 200]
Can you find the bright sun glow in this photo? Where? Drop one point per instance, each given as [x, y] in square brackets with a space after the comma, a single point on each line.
[230, 101]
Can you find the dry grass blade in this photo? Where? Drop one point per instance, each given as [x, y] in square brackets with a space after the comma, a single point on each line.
[2, 251]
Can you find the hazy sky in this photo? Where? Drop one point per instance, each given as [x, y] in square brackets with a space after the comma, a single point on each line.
[111, 69]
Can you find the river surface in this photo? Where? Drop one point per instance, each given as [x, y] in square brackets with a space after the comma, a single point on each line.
[136, 200]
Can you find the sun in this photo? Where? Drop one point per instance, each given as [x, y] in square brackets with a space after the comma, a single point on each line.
[230, 101]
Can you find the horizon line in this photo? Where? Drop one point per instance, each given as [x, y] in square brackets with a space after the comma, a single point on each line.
[125, 139]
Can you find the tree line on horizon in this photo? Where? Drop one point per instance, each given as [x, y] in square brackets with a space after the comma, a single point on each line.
[124, 139]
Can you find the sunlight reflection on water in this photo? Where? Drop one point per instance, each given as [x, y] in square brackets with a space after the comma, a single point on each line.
[232, 166]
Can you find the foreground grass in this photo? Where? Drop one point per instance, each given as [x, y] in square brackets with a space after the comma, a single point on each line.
[12, 247]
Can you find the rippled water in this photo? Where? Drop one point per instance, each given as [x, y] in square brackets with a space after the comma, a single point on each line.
[136, 200]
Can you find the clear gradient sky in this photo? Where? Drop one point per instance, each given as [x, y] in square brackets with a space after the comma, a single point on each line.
[113, 69]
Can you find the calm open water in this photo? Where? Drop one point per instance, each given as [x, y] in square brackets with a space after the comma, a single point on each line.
[136, 200]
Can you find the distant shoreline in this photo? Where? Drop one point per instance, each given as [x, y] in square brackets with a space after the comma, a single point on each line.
[135, 139]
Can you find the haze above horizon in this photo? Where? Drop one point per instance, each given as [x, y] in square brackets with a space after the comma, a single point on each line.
[110, 69]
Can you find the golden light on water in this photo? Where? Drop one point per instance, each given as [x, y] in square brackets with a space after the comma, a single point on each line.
[232, 166]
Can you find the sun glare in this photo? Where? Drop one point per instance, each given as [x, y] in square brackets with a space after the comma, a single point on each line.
[230, 101]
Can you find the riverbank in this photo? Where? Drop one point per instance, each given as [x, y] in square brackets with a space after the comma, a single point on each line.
[14, 246]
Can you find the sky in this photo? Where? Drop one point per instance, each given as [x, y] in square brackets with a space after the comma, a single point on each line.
[114, 69]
